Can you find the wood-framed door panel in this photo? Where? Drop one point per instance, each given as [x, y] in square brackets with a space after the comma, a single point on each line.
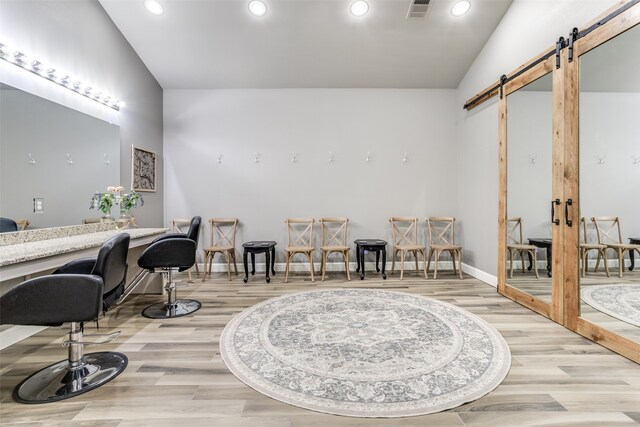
[554, 308]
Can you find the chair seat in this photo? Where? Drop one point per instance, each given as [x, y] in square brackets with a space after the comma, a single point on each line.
[334, 248]
[446, 247]
[299, 249]
[218, 248]
[623, 246]
[409, 247]
[522, 247]
[592, 246]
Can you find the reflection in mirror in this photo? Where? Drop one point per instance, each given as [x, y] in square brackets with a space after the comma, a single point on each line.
[610, 184]
[529, 175]
[53, 159]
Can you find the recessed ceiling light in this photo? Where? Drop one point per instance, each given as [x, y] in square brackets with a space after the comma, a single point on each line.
[359, 8]
[154, 7]
[257, 8]
[461, 7]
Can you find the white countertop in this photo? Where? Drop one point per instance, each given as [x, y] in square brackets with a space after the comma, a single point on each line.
[23, 252]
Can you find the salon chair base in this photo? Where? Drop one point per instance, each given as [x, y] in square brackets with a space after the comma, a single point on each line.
[62, 380]
[163, 310]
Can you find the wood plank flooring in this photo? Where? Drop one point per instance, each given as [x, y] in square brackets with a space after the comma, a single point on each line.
[176, 376]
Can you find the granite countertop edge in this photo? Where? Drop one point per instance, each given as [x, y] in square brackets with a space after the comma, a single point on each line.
[23, 252]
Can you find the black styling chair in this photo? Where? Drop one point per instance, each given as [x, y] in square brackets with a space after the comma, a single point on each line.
[76, 293]
[7, 225]
[166, 254]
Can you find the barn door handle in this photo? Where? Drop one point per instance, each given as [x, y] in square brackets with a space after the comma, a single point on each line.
[553, 211]
[568, 221]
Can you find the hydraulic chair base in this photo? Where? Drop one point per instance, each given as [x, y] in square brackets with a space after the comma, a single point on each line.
[163, 310]
[62, 380]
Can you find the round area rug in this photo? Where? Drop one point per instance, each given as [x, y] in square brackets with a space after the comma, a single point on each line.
[621, 301]
[365, 353]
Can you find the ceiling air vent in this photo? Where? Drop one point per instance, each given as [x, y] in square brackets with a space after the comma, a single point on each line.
[418, 8]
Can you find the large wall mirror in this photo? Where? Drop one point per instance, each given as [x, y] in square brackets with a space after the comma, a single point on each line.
[55, 154]
[529, 189]
[609, 145]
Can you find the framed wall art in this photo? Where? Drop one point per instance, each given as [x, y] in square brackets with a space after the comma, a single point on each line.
[143, 170]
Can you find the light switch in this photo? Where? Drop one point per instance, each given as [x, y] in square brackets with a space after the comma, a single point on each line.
[38, 205]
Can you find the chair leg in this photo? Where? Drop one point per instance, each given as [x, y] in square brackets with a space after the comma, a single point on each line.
[286, 270]
[393, 260]
[213, 254]
[310, 254]
[204, 272]
[429, 259]
[235, 266]
[227, 255]
[415, 256]
[323, 265]
[522, 260]
[402, 265]
[424, 263]
[535, 263]
[510, 264]
[435, 264]
[346, 265]
[606, 266]
[583, 262]
[620, 262]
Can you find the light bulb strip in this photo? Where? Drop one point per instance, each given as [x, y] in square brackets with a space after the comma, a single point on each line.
[49, 73]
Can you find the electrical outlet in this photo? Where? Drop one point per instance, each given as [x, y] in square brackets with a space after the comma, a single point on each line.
[38, 205]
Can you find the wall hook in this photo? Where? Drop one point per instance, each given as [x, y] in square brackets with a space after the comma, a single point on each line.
[32, 161]
[294, 157]
[636, 159]
[256, 157]
[533, 159]
[220, 158]
[601, 159]
[107, 161]
[368, 159]
[69, 159]
[404, 159]
[330, 156]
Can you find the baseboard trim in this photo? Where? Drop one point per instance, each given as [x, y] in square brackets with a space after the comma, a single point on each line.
[331, 266]
[481, 275]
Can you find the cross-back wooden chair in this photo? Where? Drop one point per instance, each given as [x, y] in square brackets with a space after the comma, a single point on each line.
[610, 234]
[516, 245]
[586, 246]
[181, 225]
[22, 224]
[442, 239]
[223, 242]
[404, 231]
[299, 241]
[334, 239]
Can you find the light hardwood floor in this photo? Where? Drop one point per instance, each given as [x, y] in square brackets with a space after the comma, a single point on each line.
[176, 376]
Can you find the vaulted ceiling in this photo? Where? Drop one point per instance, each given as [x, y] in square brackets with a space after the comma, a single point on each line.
[200, 44]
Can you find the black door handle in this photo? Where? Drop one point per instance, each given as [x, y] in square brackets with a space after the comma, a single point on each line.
[568, 221]
[553, 211]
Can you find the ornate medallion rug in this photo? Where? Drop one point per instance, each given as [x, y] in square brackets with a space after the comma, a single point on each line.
[621, 301]
[365, 353]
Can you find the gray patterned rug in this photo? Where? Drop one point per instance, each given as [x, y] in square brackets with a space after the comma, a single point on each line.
[621, 301]
[365, 353]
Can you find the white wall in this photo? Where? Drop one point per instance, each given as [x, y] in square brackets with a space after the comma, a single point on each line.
[200, 124]
[79, 38]
[528, 28]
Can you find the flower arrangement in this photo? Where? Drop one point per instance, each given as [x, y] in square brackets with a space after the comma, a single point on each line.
[105, 201]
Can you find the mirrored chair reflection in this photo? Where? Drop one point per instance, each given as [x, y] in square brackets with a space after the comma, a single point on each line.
[610, 234]
[516, 246]
[77, 292]
[169, 253]
[586, 246]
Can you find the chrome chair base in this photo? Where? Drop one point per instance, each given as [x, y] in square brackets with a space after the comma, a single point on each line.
[62, 380]
[163, 310]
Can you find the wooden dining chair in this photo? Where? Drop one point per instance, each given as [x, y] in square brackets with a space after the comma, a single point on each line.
[442, 239]
[223, 241]
[334, 239]
[516, 245]
[404, 231]
[181, 225]
[299, 241]
[610, 234]
[586, 246]
[91, 221]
